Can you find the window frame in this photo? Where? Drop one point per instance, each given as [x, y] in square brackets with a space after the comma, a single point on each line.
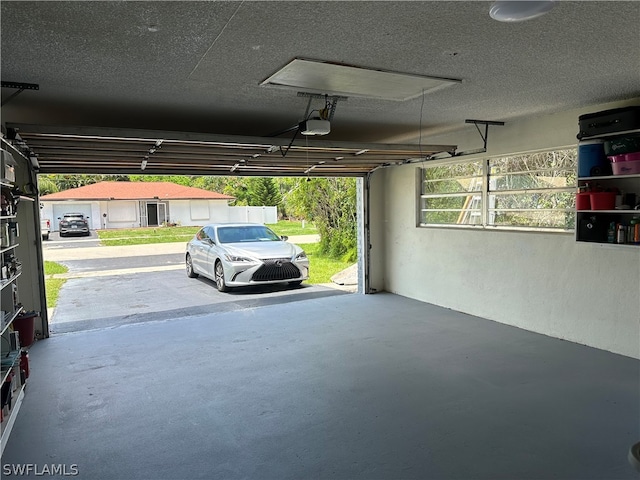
[487, 206]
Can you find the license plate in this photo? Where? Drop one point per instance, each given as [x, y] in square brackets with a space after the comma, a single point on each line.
[74, 226]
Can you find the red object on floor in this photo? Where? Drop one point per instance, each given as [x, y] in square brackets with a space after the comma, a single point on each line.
[24, 363]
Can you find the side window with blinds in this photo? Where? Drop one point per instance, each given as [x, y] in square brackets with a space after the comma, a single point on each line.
[530, 191]
[452, 194]
[535, 190]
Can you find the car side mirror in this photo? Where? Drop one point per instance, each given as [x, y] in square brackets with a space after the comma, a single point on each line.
[284, 238]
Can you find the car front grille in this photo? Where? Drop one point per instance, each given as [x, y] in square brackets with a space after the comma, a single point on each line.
[276, 269]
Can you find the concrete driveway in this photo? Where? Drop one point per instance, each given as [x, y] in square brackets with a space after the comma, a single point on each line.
[76, 241]
[111, 286]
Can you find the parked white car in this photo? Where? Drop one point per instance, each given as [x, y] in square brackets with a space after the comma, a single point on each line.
[241, 254]
[45, 228]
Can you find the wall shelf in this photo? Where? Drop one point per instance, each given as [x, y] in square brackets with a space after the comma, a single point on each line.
[21, 211]
[6, 249]
[609, 177]
[637, 212]
[9, 281]
[13, 317]
[593, 226]
[7, 423]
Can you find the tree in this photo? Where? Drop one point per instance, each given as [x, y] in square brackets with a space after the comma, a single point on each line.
[177, 179]
[237, 187]
[331, 204]
[47, 185]
[57, 183]
[263, 191]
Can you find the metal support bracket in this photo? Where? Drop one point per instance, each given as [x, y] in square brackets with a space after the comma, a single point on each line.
[451, 154]
[334, 99]
[485, 136]
[20, 86]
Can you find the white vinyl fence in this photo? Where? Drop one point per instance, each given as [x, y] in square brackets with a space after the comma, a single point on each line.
[253, 214]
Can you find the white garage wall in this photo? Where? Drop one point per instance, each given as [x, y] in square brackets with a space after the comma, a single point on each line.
[53, 210]
[542, 282]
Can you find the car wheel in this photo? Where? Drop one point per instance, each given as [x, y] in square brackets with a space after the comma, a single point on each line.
[45, 237]
[190, 272]
[220, 283]
[297, 283]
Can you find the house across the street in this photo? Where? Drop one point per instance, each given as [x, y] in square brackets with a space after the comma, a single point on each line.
[146, 204]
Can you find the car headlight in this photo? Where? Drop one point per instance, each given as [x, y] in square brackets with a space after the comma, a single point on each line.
[236, 258]
[301, 256]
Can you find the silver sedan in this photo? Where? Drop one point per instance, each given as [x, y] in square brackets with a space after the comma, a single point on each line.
[241, 254]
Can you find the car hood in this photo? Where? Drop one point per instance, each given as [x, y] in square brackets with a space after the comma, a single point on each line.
[263, 249]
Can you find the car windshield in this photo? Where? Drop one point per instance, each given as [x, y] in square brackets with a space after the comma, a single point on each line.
[253, 233]
[73, 217]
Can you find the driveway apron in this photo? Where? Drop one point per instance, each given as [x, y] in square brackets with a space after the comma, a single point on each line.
[112, 286]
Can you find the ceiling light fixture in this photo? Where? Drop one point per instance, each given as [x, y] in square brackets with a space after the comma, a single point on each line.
[519, 10]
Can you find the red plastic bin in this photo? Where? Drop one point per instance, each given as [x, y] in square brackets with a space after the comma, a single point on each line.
[25, 326]
[583, 201]
[603, 200]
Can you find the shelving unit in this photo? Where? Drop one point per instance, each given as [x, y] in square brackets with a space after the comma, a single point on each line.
[13, 377]
[594, 225]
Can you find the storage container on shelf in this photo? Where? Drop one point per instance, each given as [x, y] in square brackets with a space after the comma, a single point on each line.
[583, 200]
[603, 200]
[625, 164]
[622, 145]
[591, 159]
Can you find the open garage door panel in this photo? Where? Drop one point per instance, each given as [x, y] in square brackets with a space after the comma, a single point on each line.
[102, 150]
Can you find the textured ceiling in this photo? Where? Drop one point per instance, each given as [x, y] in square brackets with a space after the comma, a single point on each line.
[197, 66]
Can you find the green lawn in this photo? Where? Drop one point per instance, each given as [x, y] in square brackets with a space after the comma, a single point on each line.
[53, 285]
[141, 236]
[321, 268]
[288, 228]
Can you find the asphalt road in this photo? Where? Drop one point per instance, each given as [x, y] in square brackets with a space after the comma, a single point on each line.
[112, 286]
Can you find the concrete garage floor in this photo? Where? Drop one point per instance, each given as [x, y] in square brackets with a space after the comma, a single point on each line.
[342, 387]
